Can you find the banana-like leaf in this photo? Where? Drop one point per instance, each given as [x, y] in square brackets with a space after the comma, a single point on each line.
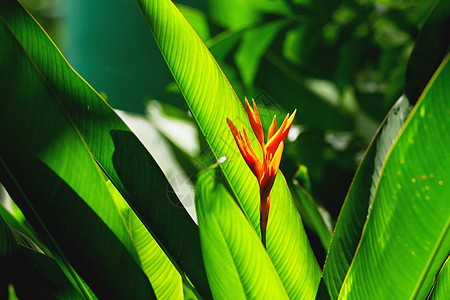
[406, 238]
[115, 148]
[352, 218]
[441, 290]
[50, 173]
[236, 263]
[164, 277]
[211, 100]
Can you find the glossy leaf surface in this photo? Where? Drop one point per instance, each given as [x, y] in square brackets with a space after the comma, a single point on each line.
[115, 148]
[237, 265]
[52, 176]
[441, 290]
[406, 238]
[162, 274]
[211, 100]
[354, 212]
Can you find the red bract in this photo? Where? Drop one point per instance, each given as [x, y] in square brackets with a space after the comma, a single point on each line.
[265, 170]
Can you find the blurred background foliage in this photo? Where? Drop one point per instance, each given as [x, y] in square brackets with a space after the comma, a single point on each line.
[342, 64]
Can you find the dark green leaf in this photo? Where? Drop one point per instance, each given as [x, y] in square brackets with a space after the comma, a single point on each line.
[115, 148]
[33, 274]
[432, 45]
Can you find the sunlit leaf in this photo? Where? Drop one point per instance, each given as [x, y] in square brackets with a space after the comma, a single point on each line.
[441, 289]
[236, 263]
[354, 212]
[164, 277]
[211, 100]
[407, 232]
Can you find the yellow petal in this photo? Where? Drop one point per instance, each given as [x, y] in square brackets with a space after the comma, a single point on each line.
[272, 128]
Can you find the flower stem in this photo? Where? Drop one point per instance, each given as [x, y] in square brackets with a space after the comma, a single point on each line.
[263, 218]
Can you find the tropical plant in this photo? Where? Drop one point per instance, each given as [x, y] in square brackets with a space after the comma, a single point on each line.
[93, 215]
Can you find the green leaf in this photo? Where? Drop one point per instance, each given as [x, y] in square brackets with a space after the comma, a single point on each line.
[197, 19]
[441, 290]
[432, 45]
[311, 214]
[164, 277]
[353, 214]
[50, 173]
[407, 233]
[221, 44]
[233, 14]
[115, 148]
[254, 44]
[175, 163]
[211, 100]
[236, 263]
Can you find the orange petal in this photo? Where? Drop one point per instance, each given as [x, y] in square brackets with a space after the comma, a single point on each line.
[270, 172]
[272, 128]
[281, 134]
[246, 150]
[255, 121]
[238, 138]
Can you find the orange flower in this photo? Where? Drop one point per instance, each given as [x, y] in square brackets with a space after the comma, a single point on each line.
[266, 170]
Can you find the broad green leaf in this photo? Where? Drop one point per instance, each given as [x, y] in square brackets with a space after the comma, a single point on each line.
[441, 290]
[51, 175]
[211, 100]
[236, 263]
[164, 277]
[115, 148]
[432, 45]
[175, 164]
[197, 19]
[407, 235]
[352, 218]
[254, 44]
